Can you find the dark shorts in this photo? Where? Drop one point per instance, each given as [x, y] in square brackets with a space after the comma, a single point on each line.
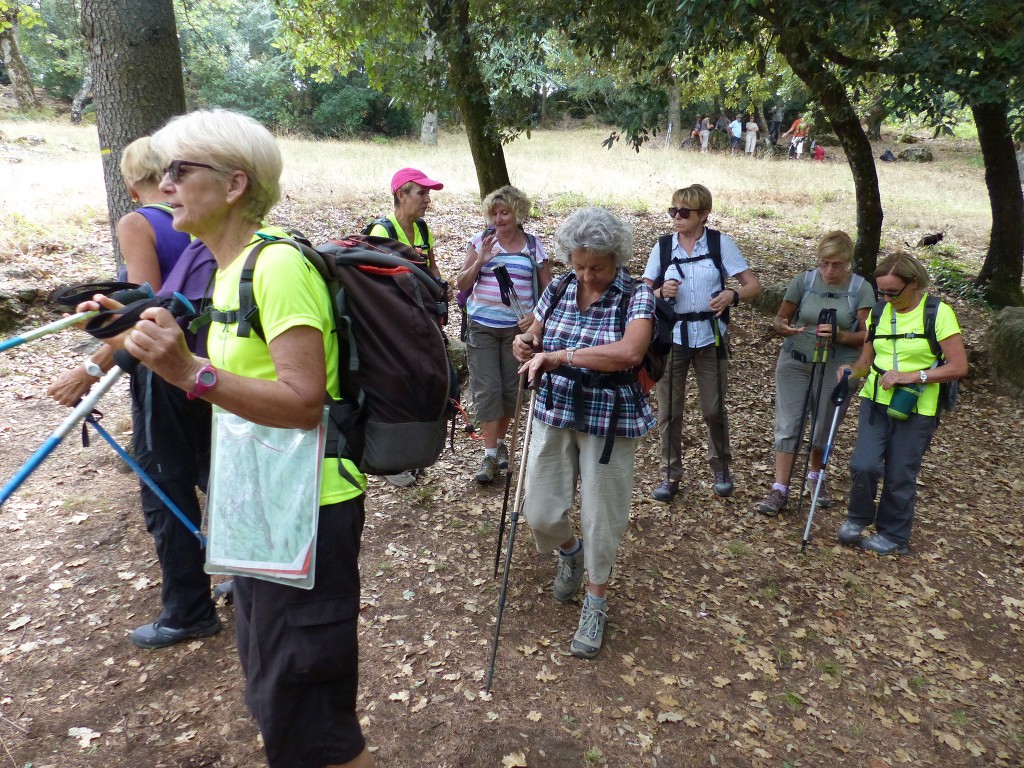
[734, 141]
[299, 651]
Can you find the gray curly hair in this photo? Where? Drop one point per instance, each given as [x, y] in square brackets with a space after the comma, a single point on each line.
[596, 231]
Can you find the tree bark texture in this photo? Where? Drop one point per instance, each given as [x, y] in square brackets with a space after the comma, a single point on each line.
[14, 64]
[78, 105]
[1001, 273]
[471, 95]
[137, 82]
[674, 133]
[835, 103]
[428, 129]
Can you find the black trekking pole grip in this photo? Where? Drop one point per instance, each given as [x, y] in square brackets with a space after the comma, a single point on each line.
[177, 305]
[841, 390]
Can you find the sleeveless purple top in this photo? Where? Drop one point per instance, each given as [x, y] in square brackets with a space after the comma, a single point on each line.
[169, 241]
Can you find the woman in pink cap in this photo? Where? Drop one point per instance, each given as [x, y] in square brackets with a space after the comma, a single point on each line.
[411, 189]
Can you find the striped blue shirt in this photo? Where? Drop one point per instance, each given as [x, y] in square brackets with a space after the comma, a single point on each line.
[599, 324]
[484, 305]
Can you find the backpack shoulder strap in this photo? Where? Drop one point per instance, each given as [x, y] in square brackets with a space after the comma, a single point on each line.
[876, 316]
[931, 311]
[664, 257]
[856, 281]
[388, 225]
[159, 206]
[715, 252]
[421, 225]
[531, 246]
[561, 286]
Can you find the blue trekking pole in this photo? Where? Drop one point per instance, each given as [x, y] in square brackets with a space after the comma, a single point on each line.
[178, 305]
[93, 420]
[837, 398]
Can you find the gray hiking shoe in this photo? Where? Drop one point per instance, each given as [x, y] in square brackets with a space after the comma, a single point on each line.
[824, 497]
[586, 643]
[723, 483]
[487, 469]
[666, 490]
[881, 544]
[849, 533]
[773, 504]
[569, 577]
[502, 456]
[402, 479]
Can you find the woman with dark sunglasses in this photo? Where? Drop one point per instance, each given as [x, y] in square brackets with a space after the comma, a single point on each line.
[899, 408]
[690, 268]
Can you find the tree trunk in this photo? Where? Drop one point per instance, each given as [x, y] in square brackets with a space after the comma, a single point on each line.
[136, 66]
[78, 105]
[674, 133]
[874, 118]
[428, 129]
[831, 95]
[10, 55]
[1000, 275]
[471, 94]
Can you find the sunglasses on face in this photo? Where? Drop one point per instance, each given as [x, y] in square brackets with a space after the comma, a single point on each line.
[682, 213]
[892, 294]
[174, 169]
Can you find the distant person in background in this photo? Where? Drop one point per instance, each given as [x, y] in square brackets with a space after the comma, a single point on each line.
[751, 134]
[722, 124]
[705, 133]
[735, 134]
[776, 124]
[170, 433]
[411, 190]
[799, 131]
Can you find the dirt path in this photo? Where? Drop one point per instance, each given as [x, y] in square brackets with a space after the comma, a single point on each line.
[725, 646]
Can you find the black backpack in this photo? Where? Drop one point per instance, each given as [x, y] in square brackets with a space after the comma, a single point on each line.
[949, 390]
[665, 244]
[398, 387]
[654, 362]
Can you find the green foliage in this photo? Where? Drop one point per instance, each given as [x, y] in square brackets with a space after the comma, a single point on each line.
[954, 281]
[54, 49]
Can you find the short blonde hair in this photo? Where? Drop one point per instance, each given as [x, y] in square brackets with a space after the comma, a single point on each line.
[139, 163]
[229, 141]
[697, 197]
[836, 245]
[596, 231]
[905, 267]
[510, 197]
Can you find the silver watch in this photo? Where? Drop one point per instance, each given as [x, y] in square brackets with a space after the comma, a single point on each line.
[92, 368]
[924, 376]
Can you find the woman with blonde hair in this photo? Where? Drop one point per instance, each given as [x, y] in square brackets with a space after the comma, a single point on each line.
[899, 407]
[493, 370]
[829, 286]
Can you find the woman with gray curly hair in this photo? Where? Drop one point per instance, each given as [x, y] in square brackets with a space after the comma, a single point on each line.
[593, 327]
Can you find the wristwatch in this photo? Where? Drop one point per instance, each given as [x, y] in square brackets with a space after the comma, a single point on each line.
[206, 380]
[569, 355]
[92, 368]
[924, 376]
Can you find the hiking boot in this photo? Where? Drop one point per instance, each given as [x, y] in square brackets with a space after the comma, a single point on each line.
[569, 577]
[824, 497]
[402, 479]
[502, 456]
[849, 533]
[881, 544]
[773, 504]
[156, 635]
[666, 490]
[723, 483]
[586, 643]
[487, 469]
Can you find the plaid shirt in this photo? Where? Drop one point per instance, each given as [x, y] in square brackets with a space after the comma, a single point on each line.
[599, 324]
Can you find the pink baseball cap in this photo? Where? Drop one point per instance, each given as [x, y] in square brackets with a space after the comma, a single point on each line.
[406, 175]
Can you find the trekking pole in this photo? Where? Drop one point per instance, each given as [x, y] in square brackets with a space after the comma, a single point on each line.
[178, 305]
[820, 362]
[508, 472]
[93, 420]
[82, 293]
[511, 540]
[719, 352]
[837, 398]
[508, 291]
